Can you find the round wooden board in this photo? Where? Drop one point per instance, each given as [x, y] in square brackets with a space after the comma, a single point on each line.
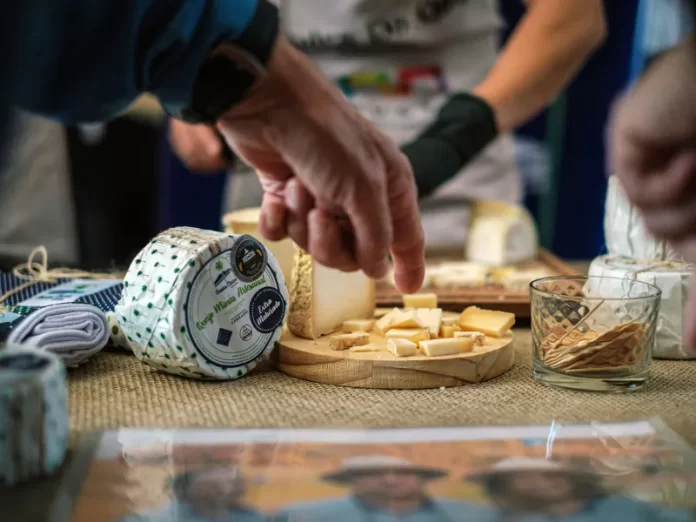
[313, 360]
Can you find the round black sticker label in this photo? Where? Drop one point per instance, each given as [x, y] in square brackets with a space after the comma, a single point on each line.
[267, 309]
[23, 362]
[249, 258]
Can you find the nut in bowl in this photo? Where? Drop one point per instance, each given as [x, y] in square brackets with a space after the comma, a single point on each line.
[593, 333]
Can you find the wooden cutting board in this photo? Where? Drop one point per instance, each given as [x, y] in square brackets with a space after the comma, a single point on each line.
[313, 360]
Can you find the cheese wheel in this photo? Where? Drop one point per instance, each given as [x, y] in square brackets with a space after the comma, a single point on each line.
[117, 337]
[246, 221]
[625, 233]
[33, 414]
[672, 278]
[203, 304]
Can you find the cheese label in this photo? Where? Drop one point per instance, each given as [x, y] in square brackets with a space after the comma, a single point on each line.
[234, 305]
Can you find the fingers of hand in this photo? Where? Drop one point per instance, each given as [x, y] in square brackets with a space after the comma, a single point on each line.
[299, 202]
[408, 243]
[198, 146]
[329, 242]
[272, 223]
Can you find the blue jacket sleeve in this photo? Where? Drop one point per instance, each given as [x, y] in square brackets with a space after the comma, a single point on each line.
[86, 60]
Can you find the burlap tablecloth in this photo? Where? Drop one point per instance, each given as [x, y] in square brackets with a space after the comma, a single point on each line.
[115, 390]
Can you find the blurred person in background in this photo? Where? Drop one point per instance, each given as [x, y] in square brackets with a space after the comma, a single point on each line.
[429, 74]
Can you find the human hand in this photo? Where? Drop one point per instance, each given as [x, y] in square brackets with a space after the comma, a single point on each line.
[199, 147]
[338, 187]
[653, 152]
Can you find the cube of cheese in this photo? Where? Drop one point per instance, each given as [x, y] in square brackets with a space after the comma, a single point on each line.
[489, 322]
[345, 341]
[450, 321]
[440, 347]
[402, 347]
[358, 325]
[384, 323]
[412, 334]
[322, 298]
[432, 319]
[448, 331]
[420, 301]
[478, 337]
[407, 319]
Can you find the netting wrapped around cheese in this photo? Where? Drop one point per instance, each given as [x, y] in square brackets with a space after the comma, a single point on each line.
[33, 414]
[624, 232]
[672, 277]
[203, 304]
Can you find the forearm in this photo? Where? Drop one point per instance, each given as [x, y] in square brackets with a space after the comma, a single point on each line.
[93, 58]
[549, 46]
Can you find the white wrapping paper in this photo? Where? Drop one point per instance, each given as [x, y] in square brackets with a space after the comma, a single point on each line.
[672, 277]
[625, 233]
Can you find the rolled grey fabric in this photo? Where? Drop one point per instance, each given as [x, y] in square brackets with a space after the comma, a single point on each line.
[72, 331]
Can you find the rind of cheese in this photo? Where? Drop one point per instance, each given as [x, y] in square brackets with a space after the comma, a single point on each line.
[432, 320]
[479, 338]
[407, 319]
[420, 301]
[441, 347]
[489, 322]
[384, 323]
[448, 331]
[345, 341]
[402, 347]
[366, 348]
[412, 334]
[358, 325]
[501, 234]
[322, 298]
[246, 221]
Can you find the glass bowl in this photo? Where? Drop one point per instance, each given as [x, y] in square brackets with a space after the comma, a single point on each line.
[593, 333]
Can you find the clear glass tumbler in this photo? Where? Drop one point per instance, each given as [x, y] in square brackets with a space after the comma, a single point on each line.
[593, 333]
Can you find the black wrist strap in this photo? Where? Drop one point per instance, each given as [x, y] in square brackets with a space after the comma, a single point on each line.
[465, 125]
[222, 82]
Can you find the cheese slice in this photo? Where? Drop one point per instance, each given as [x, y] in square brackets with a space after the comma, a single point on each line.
[432, 319]
[440, 347]
[402, 347]
[479, 338]
[501, 234]
[384, 323]
[358, 325]
[246, 221]
[489, 322]
[366, 348]
[322, 298]
[412, 334]
[345, 341]
[420, 301]
[448, 331]
[407, 319]
[450, 321]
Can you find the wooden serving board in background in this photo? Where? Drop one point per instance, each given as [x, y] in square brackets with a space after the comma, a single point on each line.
[492, 297]
[313, 360]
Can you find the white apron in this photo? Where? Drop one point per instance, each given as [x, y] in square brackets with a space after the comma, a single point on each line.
[397, 61]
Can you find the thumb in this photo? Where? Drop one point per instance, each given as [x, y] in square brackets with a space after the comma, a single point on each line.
[690, 318]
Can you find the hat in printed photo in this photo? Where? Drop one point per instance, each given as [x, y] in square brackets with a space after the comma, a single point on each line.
[379, 463]
[522, 464]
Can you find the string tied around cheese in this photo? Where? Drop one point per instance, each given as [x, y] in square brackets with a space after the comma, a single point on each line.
[36, 270]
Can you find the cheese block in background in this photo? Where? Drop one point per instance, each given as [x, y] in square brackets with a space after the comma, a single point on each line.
[203, 304]
[322, 299]
[673, 278]
[624, 232]
[501, 234]
[33, 414]
[246, 221]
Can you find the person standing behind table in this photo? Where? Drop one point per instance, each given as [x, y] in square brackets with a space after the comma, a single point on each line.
[383, 489]
[428, 74]
[224, 63]
[541, 490]
[207, 495]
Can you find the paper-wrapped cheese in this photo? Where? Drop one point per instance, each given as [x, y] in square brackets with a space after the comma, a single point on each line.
[672, 277]
[246, 221]
[203, 304]
[33, 414]
[624, 232]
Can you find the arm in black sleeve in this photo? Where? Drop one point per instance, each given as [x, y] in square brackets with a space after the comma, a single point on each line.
[464, 126]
